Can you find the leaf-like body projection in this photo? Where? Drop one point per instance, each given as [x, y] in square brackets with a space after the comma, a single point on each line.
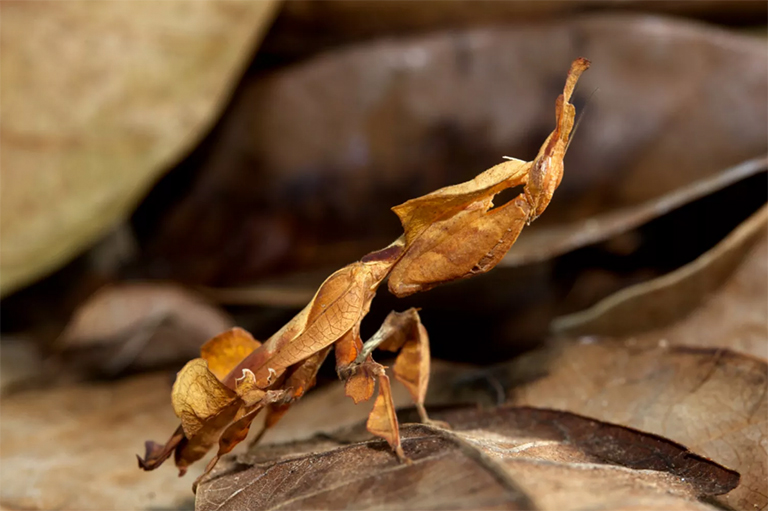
[226, 350]
[412, 364]
[198, 396]
[383, 422]
[451, 234]
[205, 407]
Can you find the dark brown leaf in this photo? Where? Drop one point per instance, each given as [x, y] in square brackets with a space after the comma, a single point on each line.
[713, 401]
[722, 296]
[505, 458]
[335, 151]
[305, 27]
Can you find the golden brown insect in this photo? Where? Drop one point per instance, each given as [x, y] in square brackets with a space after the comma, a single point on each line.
[450, 234]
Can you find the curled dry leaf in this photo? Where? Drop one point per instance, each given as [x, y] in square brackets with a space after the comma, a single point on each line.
[138, 326]
[88, 127]
[710, 400]
[723, 293]
[503, 458]
[222, 405]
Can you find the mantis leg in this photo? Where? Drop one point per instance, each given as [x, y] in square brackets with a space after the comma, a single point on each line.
[404, 331]
[382, 421]
[238, 430]
[400, 331]
[233, 435]
[360, 372]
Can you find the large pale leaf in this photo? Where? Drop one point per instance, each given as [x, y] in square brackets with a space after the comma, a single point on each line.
[98, 99]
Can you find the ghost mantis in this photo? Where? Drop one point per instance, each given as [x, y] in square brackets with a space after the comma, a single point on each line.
[452, 233]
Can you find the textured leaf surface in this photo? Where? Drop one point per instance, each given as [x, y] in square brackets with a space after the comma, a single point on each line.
[88, 127]
[506, 458]
[710, 400]
[73, 447]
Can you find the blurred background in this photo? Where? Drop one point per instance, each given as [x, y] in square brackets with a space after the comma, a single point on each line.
[171, 169]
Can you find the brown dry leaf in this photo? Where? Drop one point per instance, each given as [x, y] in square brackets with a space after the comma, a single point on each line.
[722, 296]
[70, 447]
[88, 127]
[504, 458]
[464, 99]
[138, 326]
[710, 400]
